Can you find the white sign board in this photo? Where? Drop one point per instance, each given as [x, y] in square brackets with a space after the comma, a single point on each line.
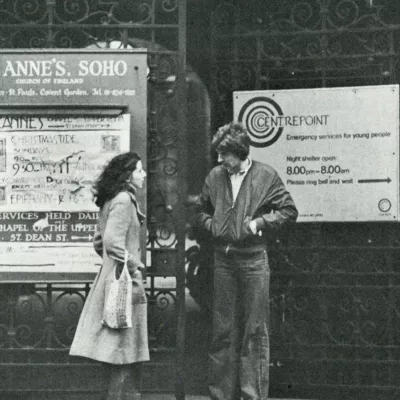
[52, 163]
[336, 149]
[47, 170]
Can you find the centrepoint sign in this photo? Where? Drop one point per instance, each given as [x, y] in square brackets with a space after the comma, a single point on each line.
[337, 149]
[266, 121]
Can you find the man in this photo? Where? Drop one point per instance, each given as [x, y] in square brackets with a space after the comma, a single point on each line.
[242, 200]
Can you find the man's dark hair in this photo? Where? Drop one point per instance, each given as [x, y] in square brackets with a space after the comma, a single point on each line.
[232, 138]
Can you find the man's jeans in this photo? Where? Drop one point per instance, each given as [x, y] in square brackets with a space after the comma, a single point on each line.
[240, 345]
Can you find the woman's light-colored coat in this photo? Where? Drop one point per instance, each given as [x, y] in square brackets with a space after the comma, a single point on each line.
[118, 229]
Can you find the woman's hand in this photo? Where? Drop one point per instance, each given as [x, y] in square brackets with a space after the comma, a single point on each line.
[134, 264]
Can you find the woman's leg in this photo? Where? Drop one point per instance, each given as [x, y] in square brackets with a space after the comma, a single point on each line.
[125, 382]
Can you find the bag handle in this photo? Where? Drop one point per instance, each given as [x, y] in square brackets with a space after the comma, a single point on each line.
[124, 270]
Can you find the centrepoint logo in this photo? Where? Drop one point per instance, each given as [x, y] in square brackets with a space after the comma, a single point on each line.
[258, 116]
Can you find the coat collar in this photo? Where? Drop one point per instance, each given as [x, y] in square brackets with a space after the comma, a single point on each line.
[141, 216]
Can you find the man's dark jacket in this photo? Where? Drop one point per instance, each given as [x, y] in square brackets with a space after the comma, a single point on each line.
[262, 197]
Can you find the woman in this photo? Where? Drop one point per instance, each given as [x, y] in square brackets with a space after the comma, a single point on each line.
[117, 230]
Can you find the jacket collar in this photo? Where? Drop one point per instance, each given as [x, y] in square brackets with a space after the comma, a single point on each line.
[245, 166]
[141, 216]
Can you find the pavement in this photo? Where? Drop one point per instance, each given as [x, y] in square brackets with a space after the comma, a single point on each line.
[150, 396]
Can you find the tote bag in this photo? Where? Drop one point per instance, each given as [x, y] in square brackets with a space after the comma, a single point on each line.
[117, 311]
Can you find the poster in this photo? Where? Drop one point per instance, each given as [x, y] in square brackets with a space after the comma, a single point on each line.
[51, 163]
[48, 167]
[336, 149]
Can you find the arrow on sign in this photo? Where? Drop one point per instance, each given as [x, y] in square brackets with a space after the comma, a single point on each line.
[89, 237]
[388, 180]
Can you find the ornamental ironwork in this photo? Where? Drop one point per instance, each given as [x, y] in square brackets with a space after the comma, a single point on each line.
[40, 319]
[335, 287]
[303, 44]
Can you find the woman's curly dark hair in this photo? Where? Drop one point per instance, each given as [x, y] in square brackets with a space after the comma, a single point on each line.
[114, 177]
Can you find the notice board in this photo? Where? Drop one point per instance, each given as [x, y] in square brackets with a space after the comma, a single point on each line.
[63, 116]
[336, 149]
